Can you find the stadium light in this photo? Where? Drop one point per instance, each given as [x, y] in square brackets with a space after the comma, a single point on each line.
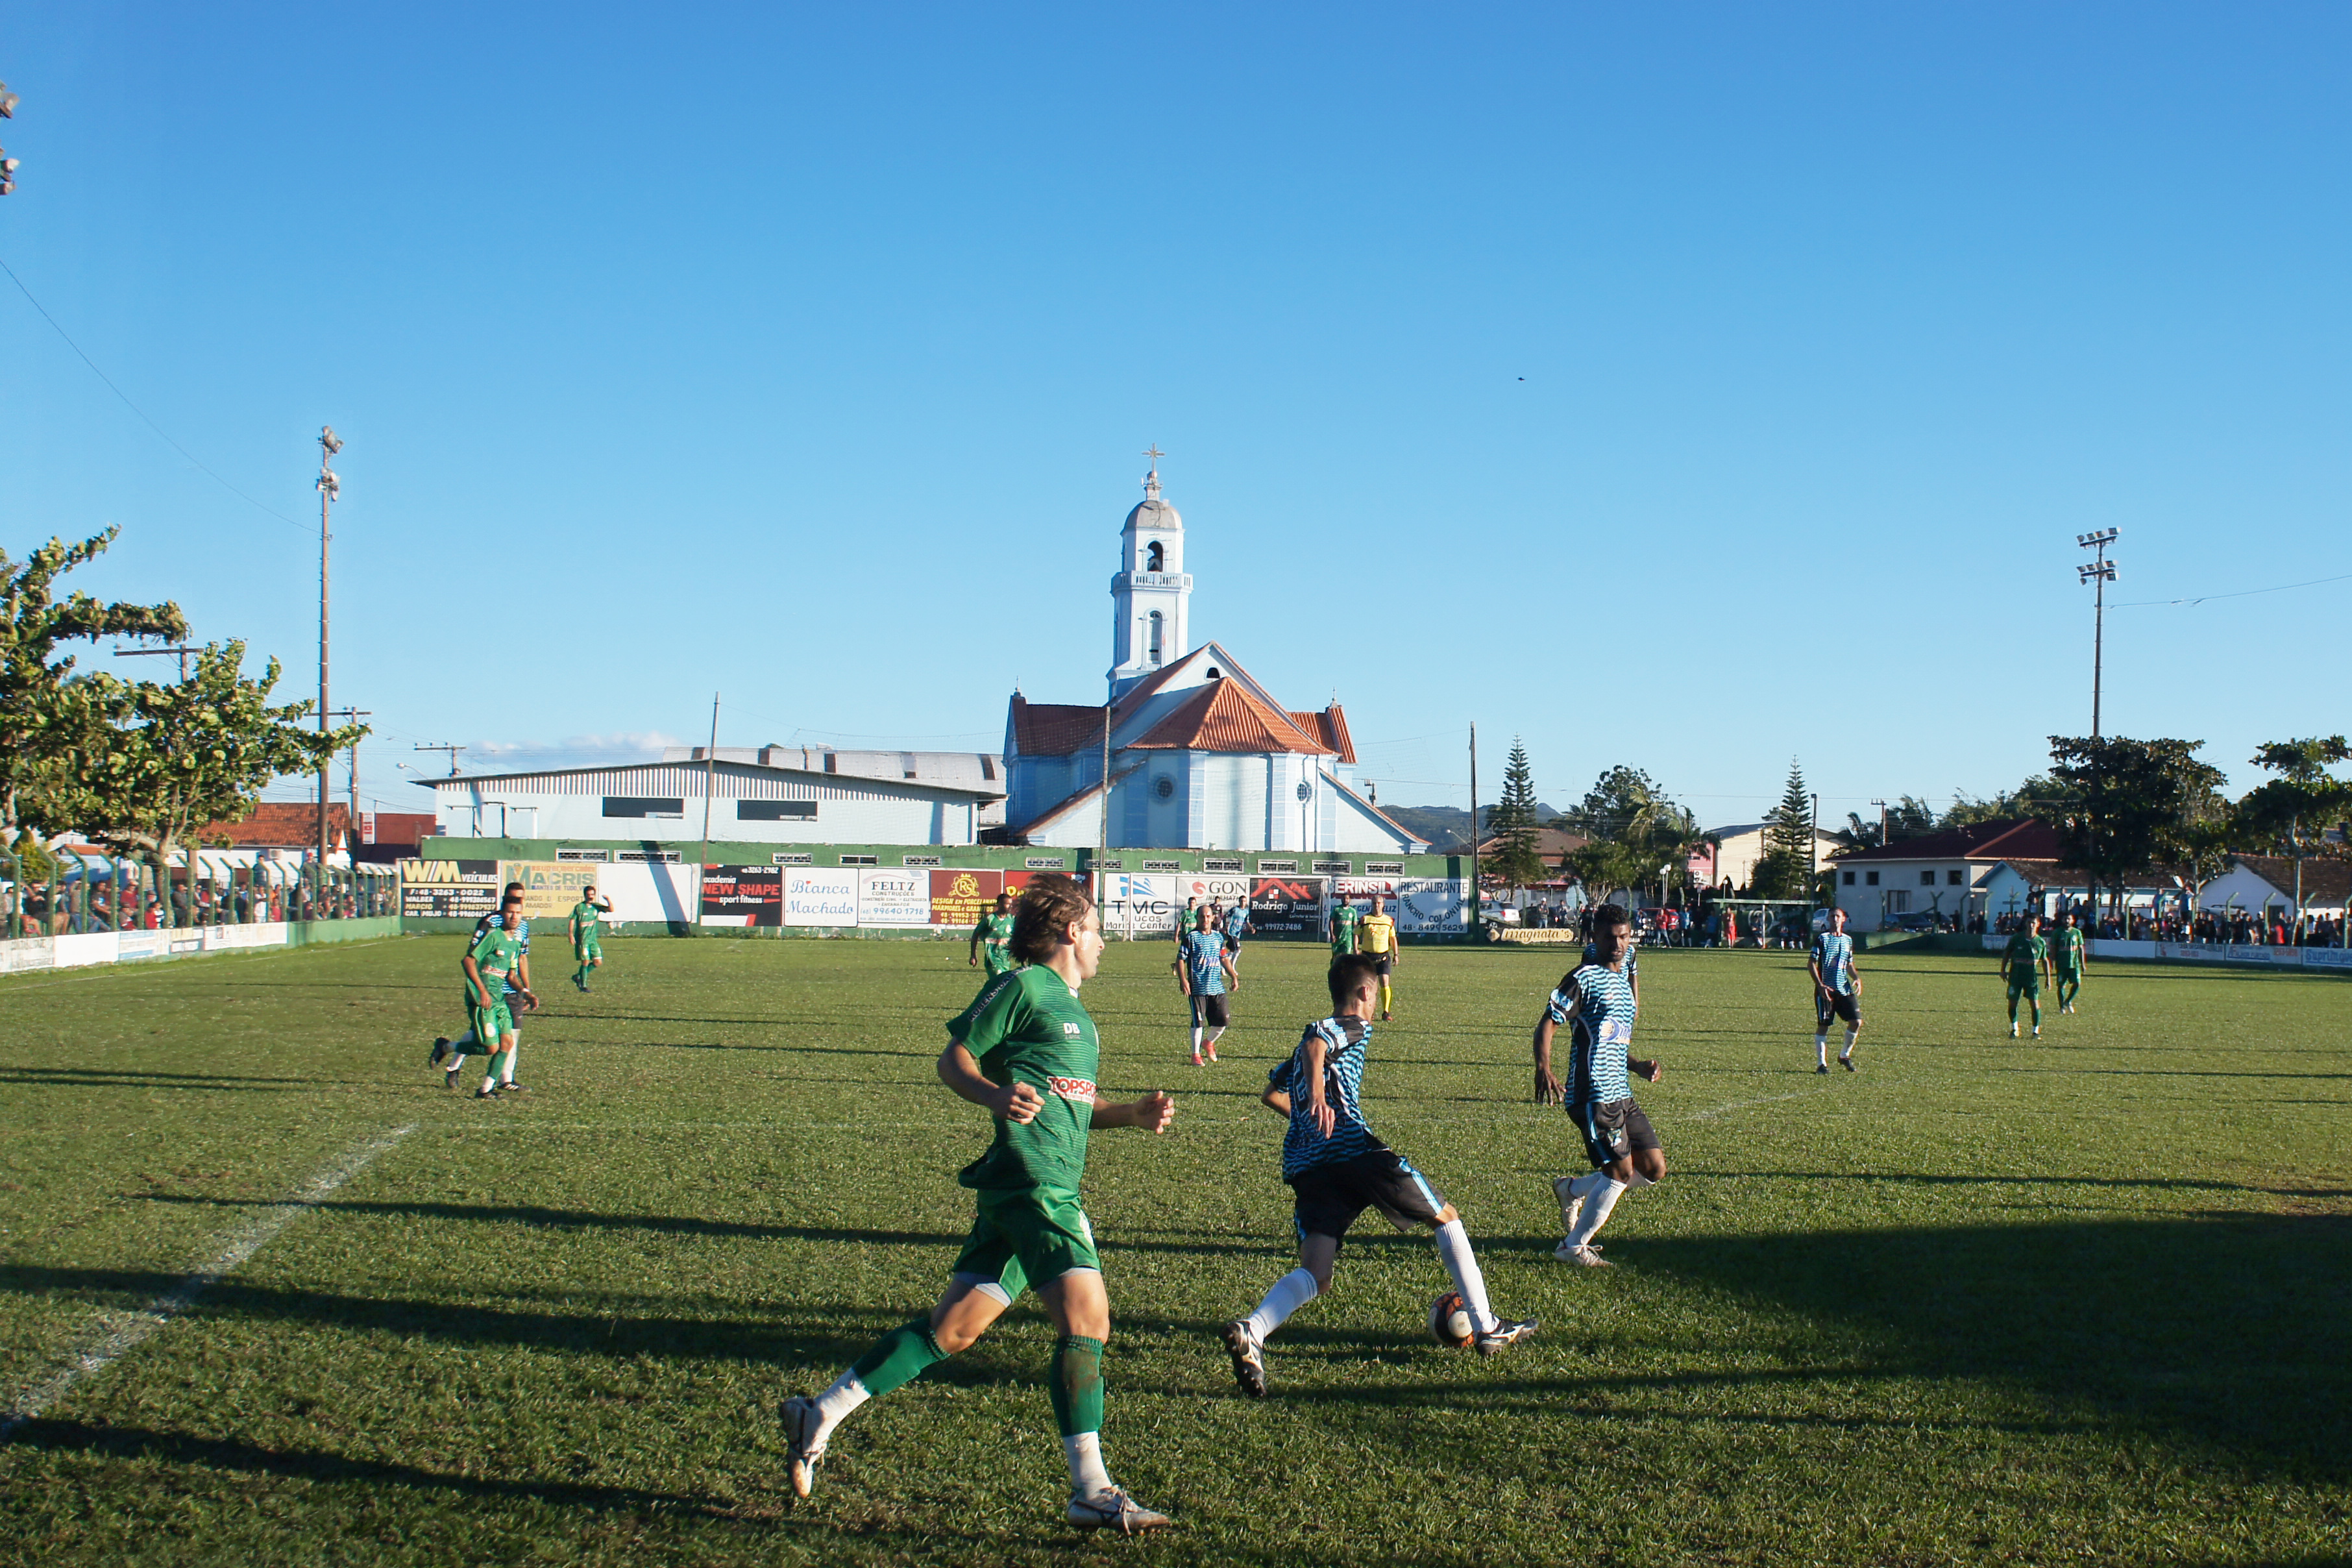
[2100, 572]
[7, 173]
[8, 101]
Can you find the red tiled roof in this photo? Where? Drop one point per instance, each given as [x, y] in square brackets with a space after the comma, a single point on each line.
[2324, 880]
[282, 824]
[400, 826]
[1330, 727]
[1223, 717]
[2024, 840]
[1054, 729]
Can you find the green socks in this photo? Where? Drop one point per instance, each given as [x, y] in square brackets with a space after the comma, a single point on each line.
[1077, 1386]
[900, 1356]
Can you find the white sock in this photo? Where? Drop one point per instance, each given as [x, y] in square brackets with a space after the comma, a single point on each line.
[1453, 1246]
[462, 1041]
[1585, 1186]
[1850, 1035]
[1088, 1475]
[1822, 1049]
[456, 1061]
[847, 1393]
[1196, 1041]
[1596, 1210]
[1213, 1035]
[512, 1051]
[1290, 1293]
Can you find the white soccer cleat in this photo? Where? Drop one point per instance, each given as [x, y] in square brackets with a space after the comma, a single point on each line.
[1114, 1510]
[1505, 1335]
[1248, 1357]
[803, 1449]
[1570, 1205]
[1588, 1254]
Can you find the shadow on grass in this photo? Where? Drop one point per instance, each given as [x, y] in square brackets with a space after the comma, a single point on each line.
[2170, 1184]
[118, 1077]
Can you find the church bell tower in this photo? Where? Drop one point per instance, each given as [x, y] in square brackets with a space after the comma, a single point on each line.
[1151, 591]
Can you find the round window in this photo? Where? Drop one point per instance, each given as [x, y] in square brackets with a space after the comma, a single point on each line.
[1166, 788]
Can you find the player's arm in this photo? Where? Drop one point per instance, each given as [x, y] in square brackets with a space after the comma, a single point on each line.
[1547, 1084]
[1014, 1101]
[1225, 961]
[1152, 1113]
[522, 978]
[1277, 1097]
[1813, 967]
[1651, 1071]
[474, 986]
[573, 927]
[1312, 1053]
[973, 956]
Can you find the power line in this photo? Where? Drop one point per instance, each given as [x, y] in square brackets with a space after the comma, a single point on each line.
[2240, 594]
[134, 408]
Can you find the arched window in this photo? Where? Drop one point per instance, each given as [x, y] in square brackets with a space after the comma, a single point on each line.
[1153, 557]
[1154, 644]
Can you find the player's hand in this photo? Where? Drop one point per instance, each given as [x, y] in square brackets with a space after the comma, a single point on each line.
[1547, 1088]
[1652, 1070]
[1017, 1102]
[530, 1001]
[972, 961]
[1154, 1111]
[1320, 1111]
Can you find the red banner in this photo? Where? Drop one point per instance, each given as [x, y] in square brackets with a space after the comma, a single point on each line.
[961, 897]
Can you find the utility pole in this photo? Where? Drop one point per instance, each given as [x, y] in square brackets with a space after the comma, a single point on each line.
[1102, 830]
[453, 751]
[355, 715]
[2100, 572]
[1882, 821]
[1474, 922]
[709, 776]
[1814, 845]
[330, 486]
[181, 648]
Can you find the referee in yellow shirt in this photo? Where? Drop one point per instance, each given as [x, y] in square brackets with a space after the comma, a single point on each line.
[1376, 935]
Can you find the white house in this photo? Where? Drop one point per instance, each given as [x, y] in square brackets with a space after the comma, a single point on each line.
[1950, 874]
[2259, 883]
[1740, 845]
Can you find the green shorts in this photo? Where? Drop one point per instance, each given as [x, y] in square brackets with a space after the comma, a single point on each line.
[2028, 983]
[584, 951]
[2070, 971]
[1025, 1236]
[490, 1025]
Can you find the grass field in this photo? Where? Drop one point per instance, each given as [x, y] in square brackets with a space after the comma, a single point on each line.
[1978, 1302]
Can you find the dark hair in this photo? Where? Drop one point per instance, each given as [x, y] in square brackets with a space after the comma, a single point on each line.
[514, 887]
[1348, 972]
[1048, 904]
[1611, 915]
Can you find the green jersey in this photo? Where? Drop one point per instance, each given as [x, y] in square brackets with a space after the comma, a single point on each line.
[2069, 943]
[2025, 954]
[583, 914]
[495, 952]
[993, 933]
[1343, 927]
[1027, 1026]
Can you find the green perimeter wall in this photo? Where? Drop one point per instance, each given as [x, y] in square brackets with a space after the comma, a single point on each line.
[951, 857]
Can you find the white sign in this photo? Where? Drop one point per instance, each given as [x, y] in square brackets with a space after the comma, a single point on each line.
[820, 896]
[1432, 906]
[892, 897]
[1227, 890]
[653, 893]
[1140, 904]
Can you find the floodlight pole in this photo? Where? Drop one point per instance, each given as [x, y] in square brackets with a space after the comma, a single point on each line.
[2099, 573]
[1477, 911]
[328, 488]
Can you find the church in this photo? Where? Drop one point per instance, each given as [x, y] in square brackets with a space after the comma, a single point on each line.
[1201, 757]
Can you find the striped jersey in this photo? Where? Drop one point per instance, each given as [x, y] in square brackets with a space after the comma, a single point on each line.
[1833, 956]
[1204, 966]
[1344, 1039]
[1596, 1003]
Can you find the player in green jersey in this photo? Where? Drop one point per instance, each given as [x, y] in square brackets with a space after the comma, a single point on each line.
[992, 936]
[586, 951]
[2026, 961]
[495, 954]
[2066, 950]
[1343, 927]
[1026, 1051]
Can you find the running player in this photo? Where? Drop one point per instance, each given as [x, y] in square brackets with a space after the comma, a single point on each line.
[1376, 938]
[2025, 961]
[1026, 1051]
[991, 936]
[1837, 992]
[2066, 950]
[493, 956]
[519, 999]
[1344, 915]
[1596, 1001]
[1206, 976]
[587, 952]
[1336, 1168]
[1237, 926]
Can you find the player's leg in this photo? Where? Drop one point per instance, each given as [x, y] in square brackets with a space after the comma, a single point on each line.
[1326, 1205]
[2015, 990]
[2033, 1000]
[1849, 1007]
[1387, 996]
[1822, 1013]
[1625, 1152]
[1193, 999]
[1216, 1015]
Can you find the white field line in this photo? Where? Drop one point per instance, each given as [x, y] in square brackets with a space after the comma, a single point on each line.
[1746, 1104]
[116, 1333]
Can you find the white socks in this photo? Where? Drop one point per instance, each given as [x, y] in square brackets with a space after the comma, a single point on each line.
[1290, 1293]
[1597, 1204]
[1850, 1035]
[1088, 1476]
[1196, 1042]
[1822, 1049]
[1453, 1246]
[847, 1393]
[1210, 1041]
[512, 1051]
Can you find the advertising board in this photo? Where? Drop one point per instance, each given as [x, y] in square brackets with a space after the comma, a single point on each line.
[549, 888]
[448, 890]
[894, 897]
[650, 892]
[958, 898]
[1432, 906]
[742, 895]
[1288, 907]
[819, 894]
[1140, 906]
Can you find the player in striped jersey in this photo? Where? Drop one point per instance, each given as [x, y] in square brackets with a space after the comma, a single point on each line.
[1837, 992]
[1337, 1167]
[1596, 1001]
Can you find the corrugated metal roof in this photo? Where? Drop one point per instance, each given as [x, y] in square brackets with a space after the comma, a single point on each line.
[736, 780]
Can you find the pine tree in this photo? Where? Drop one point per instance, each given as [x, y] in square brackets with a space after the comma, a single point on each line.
[1517, 859]
[1786, 870]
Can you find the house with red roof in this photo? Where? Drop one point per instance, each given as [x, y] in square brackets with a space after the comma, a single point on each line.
[1191, 752]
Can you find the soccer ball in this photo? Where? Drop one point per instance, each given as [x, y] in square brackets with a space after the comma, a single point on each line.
[1449, 1321]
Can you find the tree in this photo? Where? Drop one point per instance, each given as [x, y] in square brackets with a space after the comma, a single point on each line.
[49, 715]
[2040, 798]
[1517, 857]
[1785, 870]
[191, 751]
[2132, 805]
[2295, 812]
[1635, 829]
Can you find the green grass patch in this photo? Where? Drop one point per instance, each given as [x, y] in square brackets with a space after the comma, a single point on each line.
[1979, 1301]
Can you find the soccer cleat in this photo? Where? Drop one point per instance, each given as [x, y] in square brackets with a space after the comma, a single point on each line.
[488, 1091]
[1114, 1510]
[2013, 1030]
[1847, 1063]
[1249, 1364]
[1820, 1067]
[1212, 1053]
[440, 1051]
[803, 1449]
[1570, 1205]
[449, 1079]
[1505, 1335]
[1386, 1017]
[1588, 1254]
[510, 1087]
[2037, 1031]
[1196, 1059]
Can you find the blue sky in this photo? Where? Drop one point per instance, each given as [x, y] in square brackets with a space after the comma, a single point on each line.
[1693, 387]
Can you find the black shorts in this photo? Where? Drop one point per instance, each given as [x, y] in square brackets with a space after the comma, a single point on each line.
[1212, 1011]
[1382, 962]
[1613, 1129]
[1331, 1196]
[1832, 1004]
